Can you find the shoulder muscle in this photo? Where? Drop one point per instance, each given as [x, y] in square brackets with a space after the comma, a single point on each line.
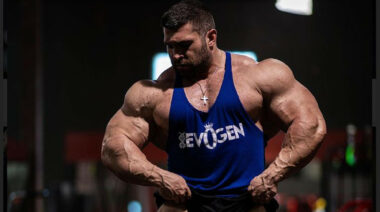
[141, 98]
[275, 77]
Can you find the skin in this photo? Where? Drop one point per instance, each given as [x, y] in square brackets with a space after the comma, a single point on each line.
[270, 94]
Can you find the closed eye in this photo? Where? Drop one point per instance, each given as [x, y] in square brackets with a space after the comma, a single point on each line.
[184, 44]
[180, 45]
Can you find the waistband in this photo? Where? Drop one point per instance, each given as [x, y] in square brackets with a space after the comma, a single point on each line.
[207, 203]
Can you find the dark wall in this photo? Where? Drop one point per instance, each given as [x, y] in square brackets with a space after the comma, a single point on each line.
[94, 50]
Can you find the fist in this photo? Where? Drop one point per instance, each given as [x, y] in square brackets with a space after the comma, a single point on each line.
[175, 189]
[262, 190]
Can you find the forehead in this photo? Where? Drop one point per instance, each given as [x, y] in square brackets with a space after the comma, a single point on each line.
[185, 32]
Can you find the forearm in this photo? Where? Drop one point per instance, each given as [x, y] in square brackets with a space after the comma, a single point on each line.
[299, 146]
[127, 161]
[140, 172]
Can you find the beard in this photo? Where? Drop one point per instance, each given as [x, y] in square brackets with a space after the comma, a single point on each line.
[198, 63]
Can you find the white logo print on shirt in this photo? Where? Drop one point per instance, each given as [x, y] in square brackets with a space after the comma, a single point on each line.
[220, 135]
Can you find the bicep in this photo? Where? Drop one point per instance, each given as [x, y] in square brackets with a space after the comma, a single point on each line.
[296, 103]
[131, 128]
[133, 120]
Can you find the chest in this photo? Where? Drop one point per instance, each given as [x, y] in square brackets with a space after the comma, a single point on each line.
[194, 94]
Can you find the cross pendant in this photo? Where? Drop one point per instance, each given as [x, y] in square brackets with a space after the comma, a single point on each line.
[205, 99]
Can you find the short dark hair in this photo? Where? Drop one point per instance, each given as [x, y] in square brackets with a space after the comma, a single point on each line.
[188, 11]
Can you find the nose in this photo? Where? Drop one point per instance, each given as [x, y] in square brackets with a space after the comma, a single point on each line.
[177, 55]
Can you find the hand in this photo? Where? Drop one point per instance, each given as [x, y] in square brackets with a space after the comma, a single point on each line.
[262, 190]
[174, 189]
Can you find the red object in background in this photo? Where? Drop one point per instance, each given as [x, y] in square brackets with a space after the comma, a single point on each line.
[357, 205]
[273, 147]
[154, 154]
[83, 146]
[292, 205]
[16, 150]
[86, 146]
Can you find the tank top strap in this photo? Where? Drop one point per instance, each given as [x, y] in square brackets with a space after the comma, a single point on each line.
[228, 67]
[227, 91]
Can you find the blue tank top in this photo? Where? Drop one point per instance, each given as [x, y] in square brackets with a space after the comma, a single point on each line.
[219, 152]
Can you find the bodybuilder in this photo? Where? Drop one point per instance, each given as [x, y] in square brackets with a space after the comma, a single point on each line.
[212, 112]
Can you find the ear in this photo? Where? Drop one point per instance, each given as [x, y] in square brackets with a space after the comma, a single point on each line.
[211, 38]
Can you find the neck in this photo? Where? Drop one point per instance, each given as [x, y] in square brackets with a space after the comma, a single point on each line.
[216, 62]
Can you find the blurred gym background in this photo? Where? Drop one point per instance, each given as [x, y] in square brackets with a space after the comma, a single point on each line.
[69, 64]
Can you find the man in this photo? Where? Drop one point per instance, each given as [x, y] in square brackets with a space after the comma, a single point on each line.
[210, 112]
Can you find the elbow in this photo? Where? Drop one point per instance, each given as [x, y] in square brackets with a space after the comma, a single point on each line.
[110, 159]
[321, 131]
[105, 154]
